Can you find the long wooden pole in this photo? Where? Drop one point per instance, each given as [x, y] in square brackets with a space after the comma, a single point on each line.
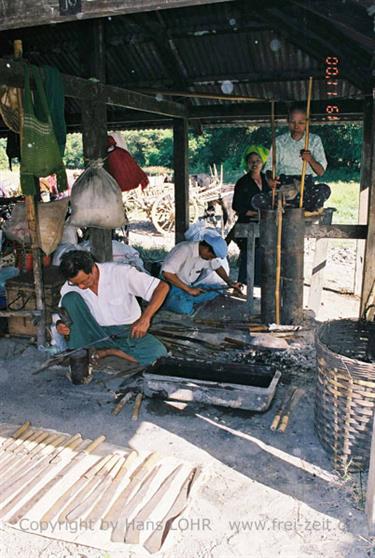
[273, 130]
[279, 227]
[307, 139]
[32, 222]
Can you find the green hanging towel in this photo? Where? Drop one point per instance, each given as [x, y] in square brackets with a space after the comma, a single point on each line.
[40, 153]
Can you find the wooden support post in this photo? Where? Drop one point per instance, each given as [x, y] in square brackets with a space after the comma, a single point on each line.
[181, 177]
[319, 265]
[366, 165]
[94, 127]
[250, 231]
[367, 298]
[370, 494]
[32, 222]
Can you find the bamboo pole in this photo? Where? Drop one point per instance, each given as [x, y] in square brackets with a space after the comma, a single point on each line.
[307, 139]
[32, 222]
[273, 130]
[279, 216]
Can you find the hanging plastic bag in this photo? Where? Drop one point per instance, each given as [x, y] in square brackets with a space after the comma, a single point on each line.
[40, 153]
[96, 200]
[51, 218]
[124, 168]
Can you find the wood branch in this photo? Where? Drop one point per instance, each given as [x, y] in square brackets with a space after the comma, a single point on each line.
[28, 13]
[11, 73]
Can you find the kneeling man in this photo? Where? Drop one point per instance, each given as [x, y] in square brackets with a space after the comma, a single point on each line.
[100, 299]
[187, 265]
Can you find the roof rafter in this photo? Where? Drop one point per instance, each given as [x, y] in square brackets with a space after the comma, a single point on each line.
[11, 73]
[314, 44]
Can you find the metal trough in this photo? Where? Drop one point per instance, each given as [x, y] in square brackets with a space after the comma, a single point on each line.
[239, 386]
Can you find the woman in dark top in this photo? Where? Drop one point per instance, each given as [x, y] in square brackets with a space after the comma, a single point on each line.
[252, 183]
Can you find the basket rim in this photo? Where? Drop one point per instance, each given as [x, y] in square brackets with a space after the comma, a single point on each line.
[318, 340]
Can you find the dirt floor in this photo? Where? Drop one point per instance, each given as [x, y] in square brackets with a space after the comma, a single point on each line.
[261, 494]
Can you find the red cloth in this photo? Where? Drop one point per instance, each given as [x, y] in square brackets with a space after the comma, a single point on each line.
[123, 168]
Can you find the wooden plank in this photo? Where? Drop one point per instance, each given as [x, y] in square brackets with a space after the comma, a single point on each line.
[181, 177]
[370, 495]
[319, 264]
[313, 230]
[11, 73]
[15, 14]
[367, 297]
[335, 231]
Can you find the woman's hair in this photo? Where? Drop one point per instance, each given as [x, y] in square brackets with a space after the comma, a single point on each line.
[252, 153]
[75, 261]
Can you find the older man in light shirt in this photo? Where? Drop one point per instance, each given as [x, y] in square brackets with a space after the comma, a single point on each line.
[186, 267]
[290, 154]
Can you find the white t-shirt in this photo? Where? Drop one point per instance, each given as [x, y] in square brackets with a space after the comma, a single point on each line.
[115, 303]
[185, 262]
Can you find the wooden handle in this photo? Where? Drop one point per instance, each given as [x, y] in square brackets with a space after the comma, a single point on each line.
[110, 465]
[146, 465]
[59, 440]
[275, 422]
[137, 406]
[121, 404]
[97, 466]
[91, 447]
[46, 442]
[16, 434]
[284, 423]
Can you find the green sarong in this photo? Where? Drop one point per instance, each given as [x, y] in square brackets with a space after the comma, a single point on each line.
[85, 329]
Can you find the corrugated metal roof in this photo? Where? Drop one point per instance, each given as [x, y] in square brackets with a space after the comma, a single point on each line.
[204, 44]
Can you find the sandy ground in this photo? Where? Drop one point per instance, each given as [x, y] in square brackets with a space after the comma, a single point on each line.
[261, 494]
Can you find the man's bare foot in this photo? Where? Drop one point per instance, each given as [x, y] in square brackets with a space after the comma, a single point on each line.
[99, 354]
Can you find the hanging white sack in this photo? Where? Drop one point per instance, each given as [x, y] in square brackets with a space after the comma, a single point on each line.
[51, 218]
[96, 200]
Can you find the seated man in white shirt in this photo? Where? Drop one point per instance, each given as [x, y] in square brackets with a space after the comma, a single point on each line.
[100, 299]
[290, 154]
[186, 267]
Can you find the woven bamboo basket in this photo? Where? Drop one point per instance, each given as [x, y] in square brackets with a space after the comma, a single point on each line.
[345, 395]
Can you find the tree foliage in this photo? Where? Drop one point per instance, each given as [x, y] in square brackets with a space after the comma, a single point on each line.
[221, 145]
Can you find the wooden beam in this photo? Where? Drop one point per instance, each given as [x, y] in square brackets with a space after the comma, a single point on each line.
[365, 181]
[335, 231]
[313, 230]
[370, 493]
[352, 107]
[367, 297]
[94, 127]
[15, 14]
[11, 73]
[181, 177]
